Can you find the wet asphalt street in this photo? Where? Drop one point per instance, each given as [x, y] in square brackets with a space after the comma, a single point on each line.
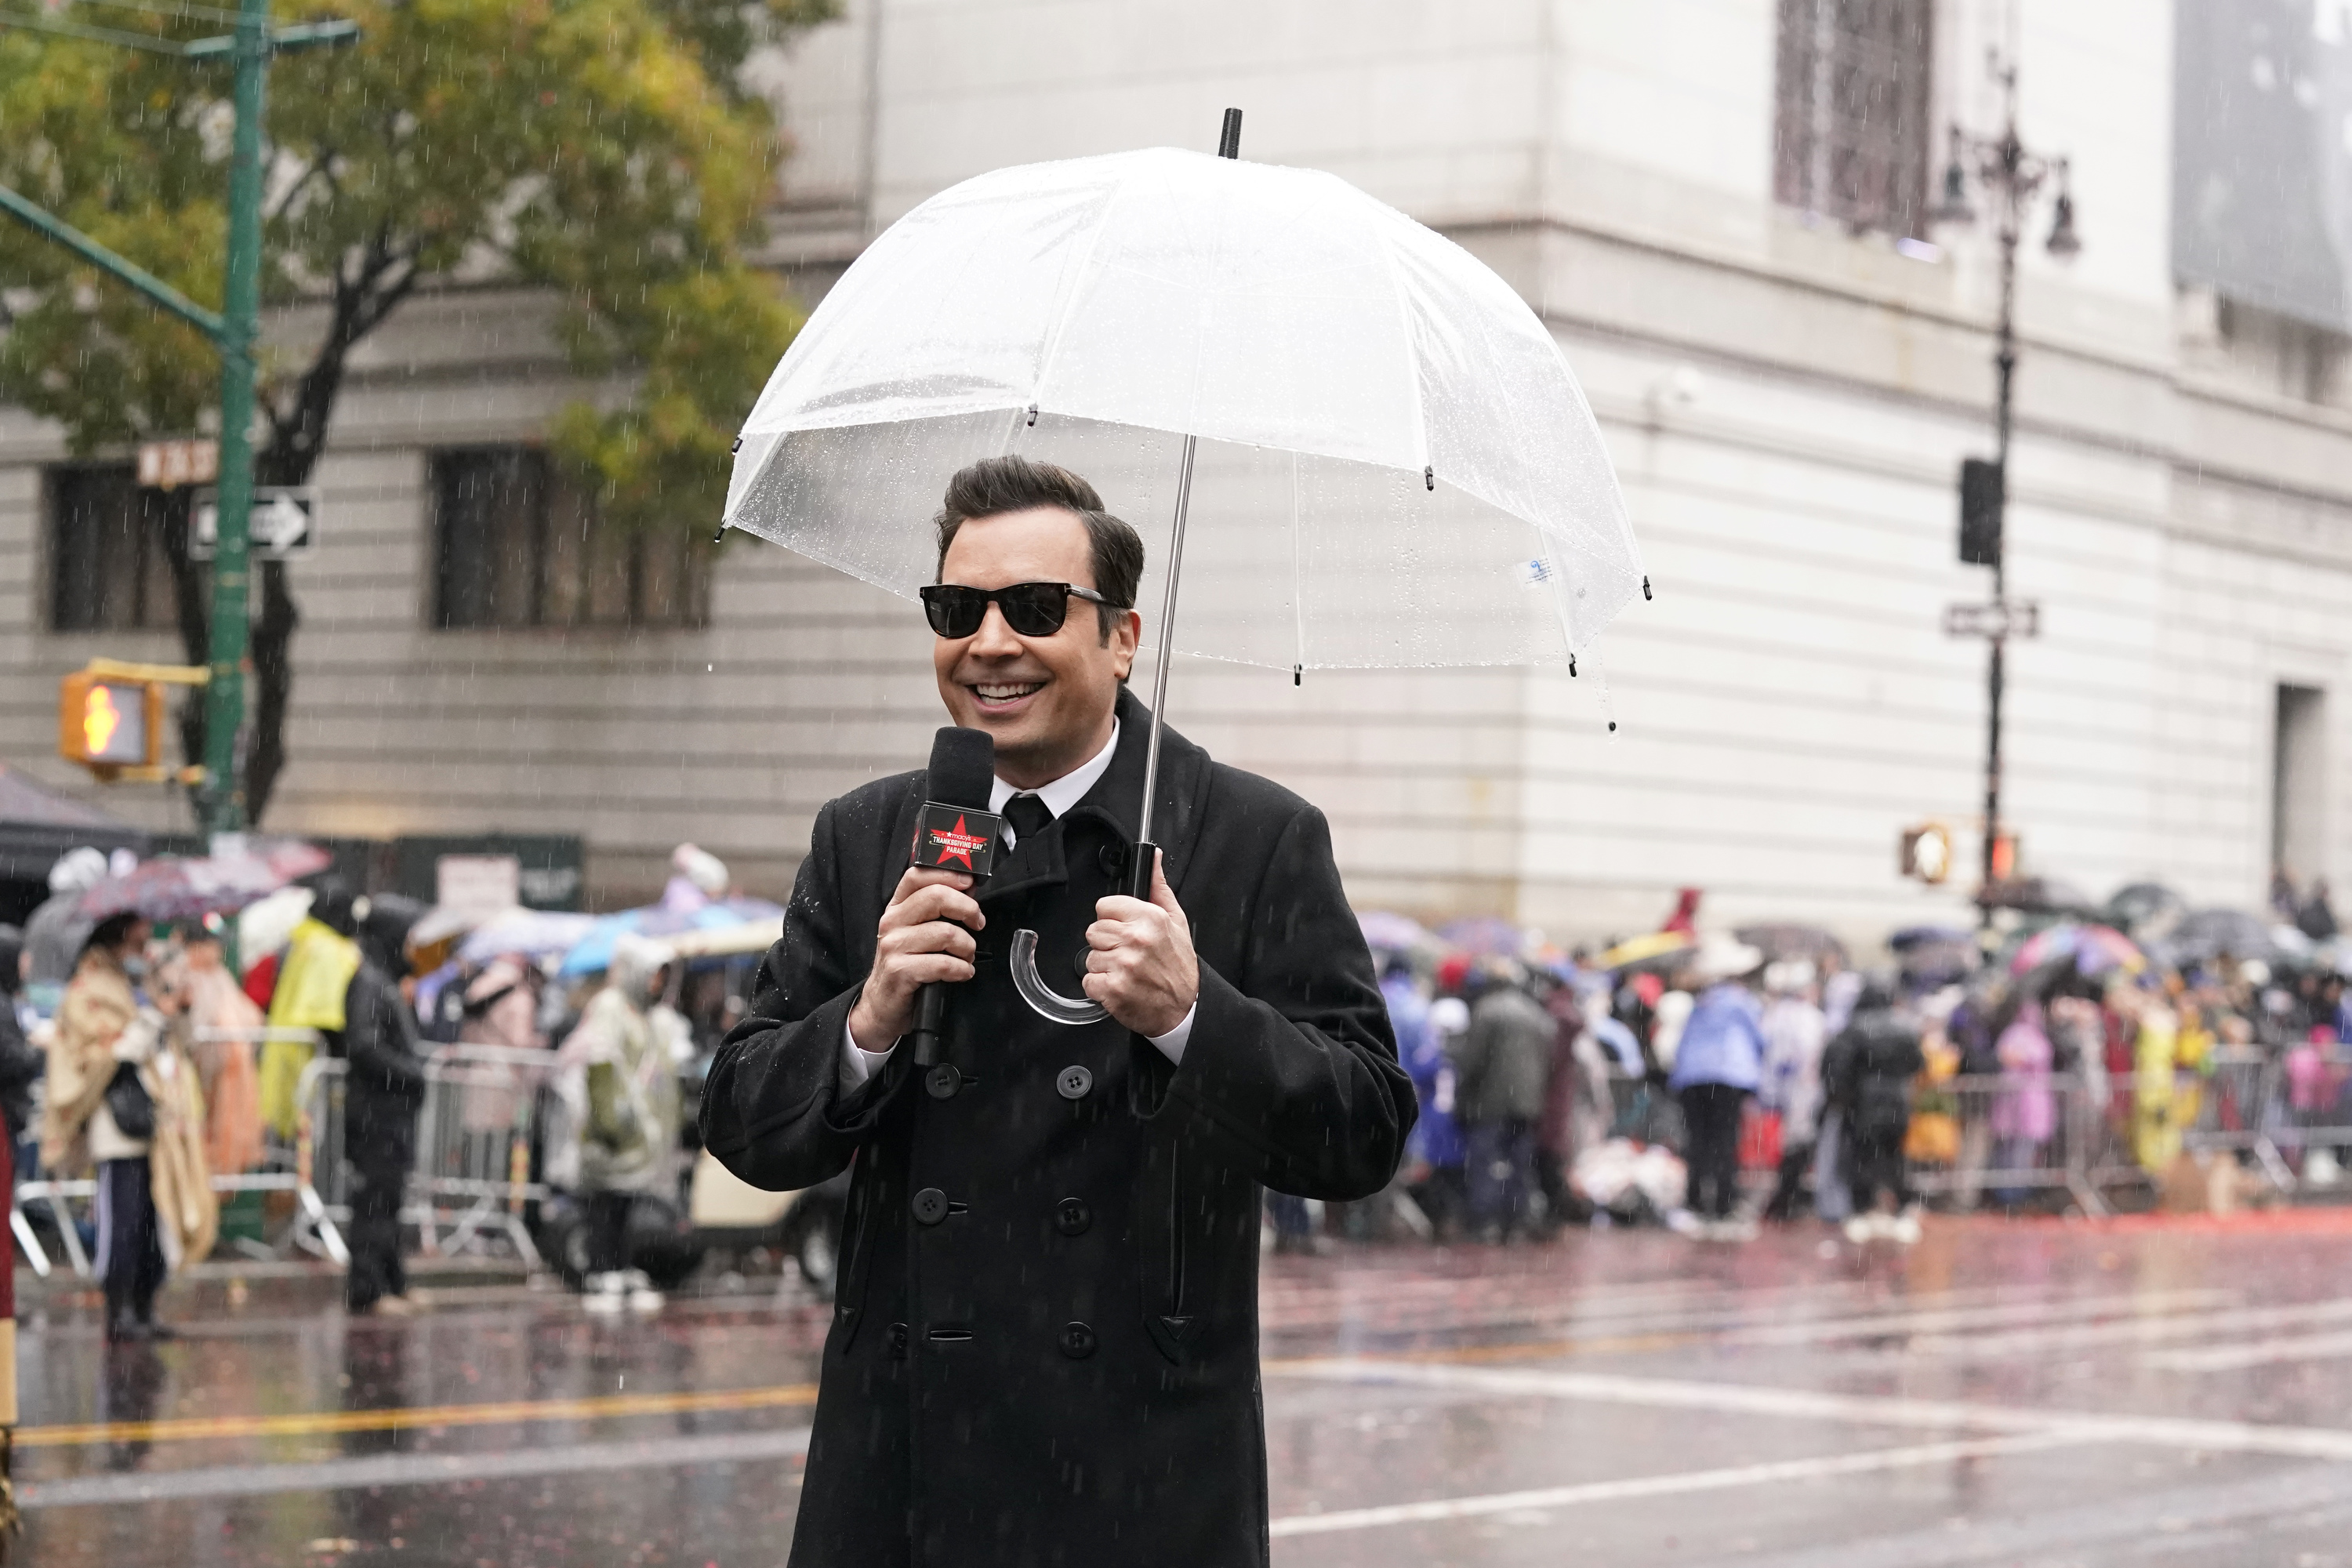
[2126, 1392]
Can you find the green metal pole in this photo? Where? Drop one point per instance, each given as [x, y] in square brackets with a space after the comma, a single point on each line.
[224, 696]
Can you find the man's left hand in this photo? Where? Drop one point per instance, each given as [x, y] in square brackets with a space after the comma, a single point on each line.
[1140, 963]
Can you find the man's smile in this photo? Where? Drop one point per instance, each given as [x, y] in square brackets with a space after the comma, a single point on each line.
[1002, 695]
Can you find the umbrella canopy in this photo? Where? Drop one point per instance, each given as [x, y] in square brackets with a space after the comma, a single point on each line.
[2145, 910]
[1389, 461]
[591, 953]
[2090, 949]
[2208, 934]
[37, 826]
[1659, 947]
[531, 935]
[1783, 939]
[2039, 895]
[1387, 932]
[174, 888]
[1489, 936]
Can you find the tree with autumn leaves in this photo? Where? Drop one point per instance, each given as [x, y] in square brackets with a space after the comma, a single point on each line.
[611, 153]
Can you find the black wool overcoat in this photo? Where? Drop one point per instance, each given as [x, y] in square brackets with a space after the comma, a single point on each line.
[1044, 1345]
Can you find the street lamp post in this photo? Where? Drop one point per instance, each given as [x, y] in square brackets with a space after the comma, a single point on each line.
[2010, 176]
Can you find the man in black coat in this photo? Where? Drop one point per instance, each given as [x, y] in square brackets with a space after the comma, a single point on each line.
[1045, 1344]
[383, 1087]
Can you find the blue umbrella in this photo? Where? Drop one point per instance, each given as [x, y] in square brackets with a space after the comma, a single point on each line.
[592, 952]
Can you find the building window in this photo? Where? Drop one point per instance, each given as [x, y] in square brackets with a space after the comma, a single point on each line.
[109, 566]
[517, 544]
[1850, 137]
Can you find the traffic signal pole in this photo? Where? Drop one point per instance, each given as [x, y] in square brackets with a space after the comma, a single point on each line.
[221, 798]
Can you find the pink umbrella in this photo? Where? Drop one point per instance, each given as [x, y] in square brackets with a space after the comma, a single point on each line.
[176, 887]
[2095, 950]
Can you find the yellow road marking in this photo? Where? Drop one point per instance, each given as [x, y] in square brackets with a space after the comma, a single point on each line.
[316, 1423]
[310, 1423]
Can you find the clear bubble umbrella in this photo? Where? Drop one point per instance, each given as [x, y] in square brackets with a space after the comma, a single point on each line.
[1367, 450]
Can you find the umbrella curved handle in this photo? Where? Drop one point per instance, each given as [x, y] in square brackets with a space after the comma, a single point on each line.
[1043, 1000]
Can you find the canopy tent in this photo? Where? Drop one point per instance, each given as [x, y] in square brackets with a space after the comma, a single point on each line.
[37, 825]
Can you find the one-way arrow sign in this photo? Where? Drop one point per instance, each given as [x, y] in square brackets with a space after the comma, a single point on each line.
[284, 521]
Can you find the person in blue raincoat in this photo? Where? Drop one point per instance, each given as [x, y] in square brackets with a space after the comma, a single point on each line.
[1718, 1064]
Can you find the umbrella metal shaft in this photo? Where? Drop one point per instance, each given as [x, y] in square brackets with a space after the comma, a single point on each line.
[1167, 651]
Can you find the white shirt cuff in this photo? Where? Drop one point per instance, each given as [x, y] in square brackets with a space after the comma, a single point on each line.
[1171, 1044]
[858, 1064]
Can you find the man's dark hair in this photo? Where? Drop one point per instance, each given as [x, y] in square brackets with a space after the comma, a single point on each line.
[995, 486]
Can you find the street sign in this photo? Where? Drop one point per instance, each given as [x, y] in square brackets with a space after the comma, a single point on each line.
[2008, 618]
[168, 465]
[285, 521]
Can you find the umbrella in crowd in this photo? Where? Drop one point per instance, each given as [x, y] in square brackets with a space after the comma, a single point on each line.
[2092, 950]
[591, 953]
[176, 887]
[1487, 936]
[1783, 939]
[1387, 932]
[1658, 950]
[2211, 933]
[531, 935]
[2146, 911]
[2040, 896]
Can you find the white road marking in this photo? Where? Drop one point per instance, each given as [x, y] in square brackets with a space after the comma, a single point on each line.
[1752, 1399]
[2262, 1353]
[2132, 1332]
[1667, 1486]
[1944, 1320]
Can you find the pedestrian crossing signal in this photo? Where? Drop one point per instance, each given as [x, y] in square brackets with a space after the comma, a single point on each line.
[110, 724]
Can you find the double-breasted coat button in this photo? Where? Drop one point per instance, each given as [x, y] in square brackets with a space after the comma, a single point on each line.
[1112, 859]
[943, 1081]
[1071, 1216]
[931, 1205]
[1077, 1341]
[899, 1341]
[1073, 1082]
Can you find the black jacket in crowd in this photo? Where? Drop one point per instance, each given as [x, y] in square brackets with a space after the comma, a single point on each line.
[1044, 1346]
[385, 1081]
[1867, 1071]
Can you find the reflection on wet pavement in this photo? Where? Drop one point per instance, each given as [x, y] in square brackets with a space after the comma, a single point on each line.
[2172, 1392]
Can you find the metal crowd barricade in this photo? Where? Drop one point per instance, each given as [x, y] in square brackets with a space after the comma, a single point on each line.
[2276, 1108]
[317, 1183]
[472, 1178]
[2005, 1138]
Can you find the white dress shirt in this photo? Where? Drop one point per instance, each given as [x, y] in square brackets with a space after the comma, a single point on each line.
[858, 1064]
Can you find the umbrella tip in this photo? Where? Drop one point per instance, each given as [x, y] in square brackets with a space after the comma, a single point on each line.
[1646, 588]
[1229, 141]
[720, 536]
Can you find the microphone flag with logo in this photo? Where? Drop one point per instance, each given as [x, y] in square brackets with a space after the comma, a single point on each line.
[956, 832]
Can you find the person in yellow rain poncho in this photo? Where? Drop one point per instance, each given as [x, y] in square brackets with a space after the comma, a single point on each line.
[2155, 1124]
[312, 980]
[123, 1094]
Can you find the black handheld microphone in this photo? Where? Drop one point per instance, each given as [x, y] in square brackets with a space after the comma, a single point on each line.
[956, 833]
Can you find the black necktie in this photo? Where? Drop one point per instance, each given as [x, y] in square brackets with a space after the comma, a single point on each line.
[1026, 815]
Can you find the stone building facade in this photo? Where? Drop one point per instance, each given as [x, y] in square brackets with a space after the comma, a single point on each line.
[1788, 365]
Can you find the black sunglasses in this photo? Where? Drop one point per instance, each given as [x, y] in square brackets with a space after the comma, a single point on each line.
[1031, 609]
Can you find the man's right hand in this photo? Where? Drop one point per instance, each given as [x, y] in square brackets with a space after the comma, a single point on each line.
[926, 935]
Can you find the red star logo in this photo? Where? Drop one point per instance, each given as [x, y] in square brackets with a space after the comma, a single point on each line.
[954, 845]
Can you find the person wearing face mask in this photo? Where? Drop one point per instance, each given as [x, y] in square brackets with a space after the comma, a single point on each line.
[617, 1081]
[123, 1095]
